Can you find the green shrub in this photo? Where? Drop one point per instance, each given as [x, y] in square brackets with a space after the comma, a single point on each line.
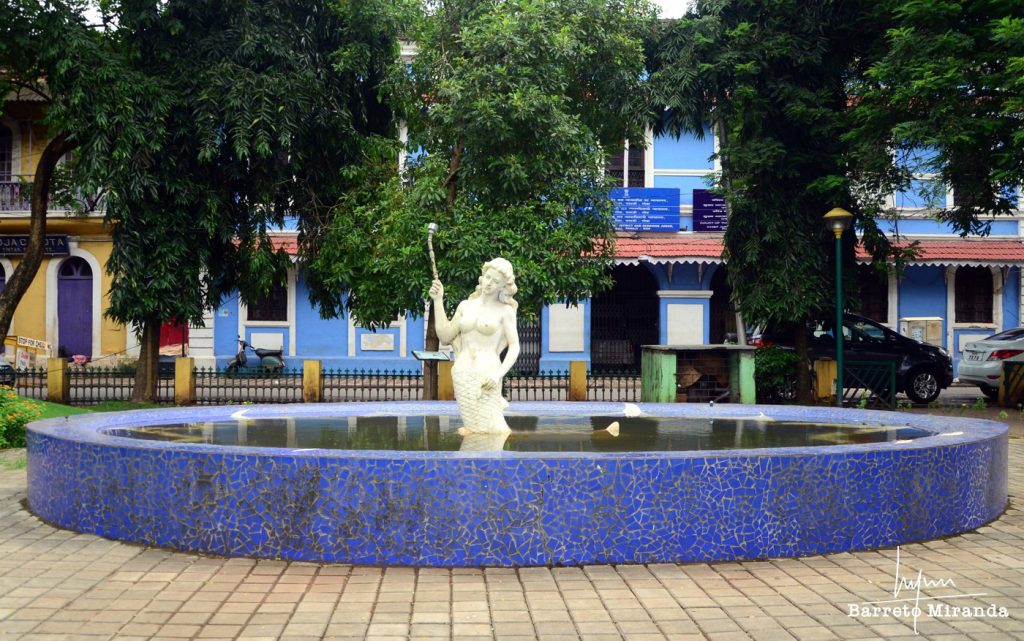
[775, 374]
[15, 413]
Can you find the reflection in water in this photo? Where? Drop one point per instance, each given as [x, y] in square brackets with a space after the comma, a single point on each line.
[529, 434]
[476, 442]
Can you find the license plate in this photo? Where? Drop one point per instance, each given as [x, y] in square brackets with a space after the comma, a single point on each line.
[973, 356]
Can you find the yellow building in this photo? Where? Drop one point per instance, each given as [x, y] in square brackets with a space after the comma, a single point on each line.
[64, 305]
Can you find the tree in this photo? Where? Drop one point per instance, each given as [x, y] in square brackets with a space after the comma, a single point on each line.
[771, 78]
[509, 107]
[249, 94]
[49, 54]
[945, 97]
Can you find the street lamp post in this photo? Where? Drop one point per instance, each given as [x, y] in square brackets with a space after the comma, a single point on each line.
[838, 220]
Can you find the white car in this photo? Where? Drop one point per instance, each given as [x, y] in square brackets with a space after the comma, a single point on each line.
[982, 363]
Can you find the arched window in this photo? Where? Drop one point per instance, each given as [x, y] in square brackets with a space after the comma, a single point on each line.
[6, 153]
[973, 295]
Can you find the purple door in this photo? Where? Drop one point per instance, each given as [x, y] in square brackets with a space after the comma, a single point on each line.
[74, 308]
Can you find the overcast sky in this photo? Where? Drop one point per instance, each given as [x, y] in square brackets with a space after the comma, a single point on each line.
[672, 8]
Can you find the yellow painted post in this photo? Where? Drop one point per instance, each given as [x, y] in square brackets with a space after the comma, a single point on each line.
[58, 384]
[824, 379]
[445, 386]
[1011, 391]
[184, 381]
[312, 382]
[577, 380]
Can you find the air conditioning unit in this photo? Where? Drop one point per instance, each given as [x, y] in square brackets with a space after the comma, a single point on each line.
[924, 329]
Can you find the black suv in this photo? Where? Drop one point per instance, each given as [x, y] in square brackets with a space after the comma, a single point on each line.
[922, 370]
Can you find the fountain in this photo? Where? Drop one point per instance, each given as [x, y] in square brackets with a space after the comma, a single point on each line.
[429, 484]
[536, 505]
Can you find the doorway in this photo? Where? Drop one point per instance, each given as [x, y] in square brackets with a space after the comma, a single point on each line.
[74, 308]
[623, 319]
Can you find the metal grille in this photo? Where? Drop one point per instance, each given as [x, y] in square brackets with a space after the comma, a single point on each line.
[622, 320]
[869, 383]
[91, 385]
[529, 346]
[346, 385]
[623, 387]
[31, 382]
[215, 387]
[702, 376]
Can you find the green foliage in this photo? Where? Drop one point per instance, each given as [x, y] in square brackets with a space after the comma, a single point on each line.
[770, 78]
[15, 413]
[943, 95]
[775, 374]
[979, 404]
[244, 99]
[507, 107]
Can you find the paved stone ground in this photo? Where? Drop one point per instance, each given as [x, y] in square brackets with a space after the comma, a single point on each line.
[57, 585]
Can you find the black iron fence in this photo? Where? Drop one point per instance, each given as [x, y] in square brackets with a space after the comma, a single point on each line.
[339, 386]
[218, 387]
[621, 387]
[213, 386]
[91, 385]
[31, 382]
[553, 386]
[869, 383]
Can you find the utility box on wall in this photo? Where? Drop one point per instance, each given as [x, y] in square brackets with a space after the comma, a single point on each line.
[925, 329]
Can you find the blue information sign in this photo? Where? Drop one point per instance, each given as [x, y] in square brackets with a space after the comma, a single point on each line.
[709, 211]
[16, 245]
[646, 208]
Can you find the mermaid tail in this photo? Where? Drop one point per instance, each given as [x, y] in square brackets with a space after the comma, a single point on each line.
[481, 409]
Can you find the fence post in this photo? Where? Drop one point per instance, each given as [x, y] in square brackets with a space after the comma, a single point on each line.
[658, 376]
[184, 381]
[445, 386]
[577, 380]
[312, 384]
[58, 384]
[825, 379]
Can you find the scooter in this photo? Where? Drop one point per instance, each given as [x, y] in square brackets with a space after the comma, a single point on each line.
[270, 360]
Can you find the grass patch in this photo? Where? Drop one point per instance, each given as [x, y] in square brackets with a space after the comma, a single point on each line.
[56, 410]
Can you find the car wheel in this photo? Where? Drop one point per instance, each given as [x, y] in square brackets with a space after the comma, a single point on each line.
[922, 386]
[991, 392]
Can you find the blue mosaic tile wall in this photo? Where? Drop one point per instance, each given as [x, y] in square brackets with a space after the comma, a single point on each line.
[459, 509]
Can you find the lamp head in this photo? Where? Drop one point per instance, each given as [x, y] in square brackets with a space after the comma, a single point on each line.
[432, 228]
[838, 220]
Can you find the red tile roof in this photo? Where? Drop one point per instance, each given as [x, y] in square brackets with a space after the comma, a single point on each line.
[962, 251]
[670, 247]
[288, 242]
[708, 249]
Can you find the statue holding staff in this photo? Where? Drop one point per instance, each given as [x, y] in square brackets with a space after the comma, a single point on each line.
[483, 326]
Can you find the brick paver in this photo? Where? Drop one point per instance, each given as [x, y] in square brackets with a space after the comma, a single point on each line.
[57, 585]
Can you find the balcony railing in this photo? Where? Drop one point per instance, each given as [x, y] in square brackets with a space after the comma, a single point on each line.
[15, 196]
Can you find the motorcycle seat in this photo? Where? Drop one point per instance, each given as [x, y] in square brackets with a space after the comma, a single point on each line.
[268, 352]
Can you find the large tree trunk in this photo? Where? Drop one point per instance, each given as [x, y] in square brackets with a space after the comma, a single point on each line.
[430, 367]
[26, 270]
[147, 372]
[803, 373]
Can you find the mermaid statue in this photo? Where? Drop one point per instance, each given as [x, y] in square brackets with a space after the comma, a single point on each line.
[483, 326]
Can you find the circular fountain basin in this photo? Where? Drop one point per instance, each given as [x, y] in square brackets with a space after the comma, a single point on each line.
[924, 477]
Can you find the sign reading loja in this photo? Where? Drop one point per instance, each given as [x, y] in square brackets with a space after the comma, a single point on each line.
[16, 245]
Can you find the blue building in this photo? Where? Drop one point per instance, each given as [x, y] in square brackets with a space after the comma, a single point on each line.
[670, 284]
